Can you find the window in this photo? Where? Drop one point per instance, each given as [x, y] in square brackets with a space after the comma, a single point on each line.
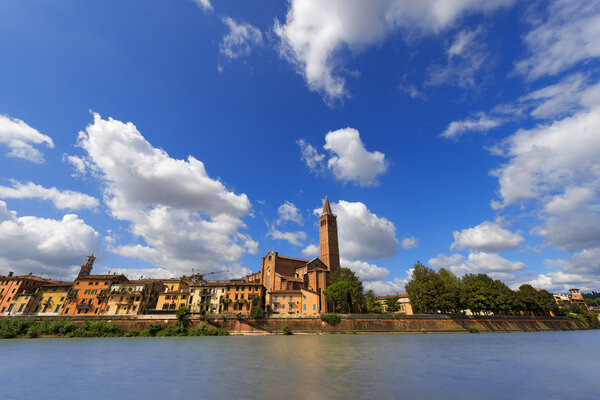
[314, 307]
[175, 297]
[77, 283]
[105, 283]
[62, 299]
[274, 307]
[87, 292]
[94, 291]
[283, 298]
[41, 298]
[283, 306]
[96, 283]
[274, 298]
[183, 297]
[291, 298]
[21, 308]
[57, 308]
[291, 306]
[165, 306]
[305, 307]
[167, 297]
[36, 309]
[45, 308]
[49, 298]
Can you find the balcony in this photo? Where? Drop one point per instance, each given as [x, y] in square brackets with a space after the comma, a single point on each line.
[71, 294]
[83, 306]
[101, 295]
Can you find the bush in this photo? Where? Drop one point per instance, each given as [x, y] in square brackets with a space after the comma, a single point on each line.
[472, 328]
[285, 330]
[131, 333]
[331, 319]
[15, 326]
[151, 330]
[257, 312]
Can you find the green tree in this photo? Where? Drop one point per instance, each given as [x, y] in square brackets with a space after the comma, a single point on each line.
[421, 289]
[371, 303]
[448, 288]
[392, 304]
[340, 294]
[257, 312]
[478, 293]
[356, 302]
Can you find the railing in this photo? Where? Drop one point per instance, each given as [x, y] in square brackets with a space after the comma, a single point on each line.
[82, 306]
[71, 294]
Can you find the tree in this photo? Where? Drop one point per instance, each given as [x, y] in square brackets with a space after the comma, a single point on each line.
[340, 294]
[421, 289]
[257, 312]
[356, 302]
[371, 303]
[478, 293]
[448, 287]
[392, 304]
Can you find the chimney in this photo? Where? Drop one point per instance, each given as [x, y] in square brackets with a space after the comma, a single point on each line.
[10, 273]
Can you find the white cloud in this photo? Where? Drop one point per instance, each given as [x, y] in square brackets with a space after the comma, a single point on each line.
[20, 138]
[44, 246]
[348, 160]
[62, 199]
[79, 164]
[481, 123]
[316, 31]
[572, 199]
[204, 4]
[365, 271]
[312, 250]
[362, 234]
[294, 238]
[186, 219]
[311, 157]
[238, 41]
[557, 99]
[568, 36]
[288, 212]
[467, 57]
[479, 262]
[409, 243]
[140, 273]
[395, 286]
[487, 236]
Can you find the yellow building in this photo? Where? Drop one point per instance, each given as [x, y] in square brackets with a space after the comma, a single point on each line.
[22, 303]
[133, 297]
[50, 298]
[403, 300]
[205, 297]
[174, 295]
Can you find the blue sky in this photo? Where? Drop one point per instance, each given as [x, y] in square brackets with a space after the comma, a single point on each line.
[170, 135]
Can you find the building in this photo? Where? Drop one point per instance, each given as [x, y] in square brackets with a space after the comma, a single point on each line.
[175, 294]
[574, 297]
[133, 297]
[89, 295]
[295, 285]
[50, 298]
[11, 289]
[403, 301]
[205, 297]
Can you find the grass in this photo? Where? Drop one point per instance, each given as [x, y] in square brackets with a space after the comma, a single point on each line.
[472, 328]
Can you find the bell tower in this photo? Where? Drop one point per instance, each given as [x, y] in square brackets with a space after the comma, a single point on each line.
[87, 266]
[328, 238]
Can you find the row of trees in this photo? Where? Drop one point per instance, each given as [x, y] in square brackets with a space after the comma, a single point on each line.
[441, 291]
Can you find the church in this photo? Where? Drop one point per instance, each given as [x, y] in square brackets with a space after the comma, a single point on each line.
[296, 286]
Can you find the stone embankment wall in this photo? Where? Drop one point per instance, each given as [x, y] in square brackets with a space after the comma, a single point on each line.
[359, 323]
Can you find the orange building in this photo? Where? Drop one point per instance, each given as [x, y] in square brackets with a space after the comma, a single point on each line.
[90, 293]
[240, 296]
[11, 286]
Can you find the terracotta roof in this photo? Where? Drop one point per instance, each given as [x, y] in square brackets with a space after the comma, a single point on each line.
[103, 277]
[404, 295]
[293, 258]
[26, 277]
[57, 284]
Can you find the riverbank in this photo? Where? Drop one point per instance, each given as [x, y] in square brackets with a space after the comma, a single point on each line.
[213, 325]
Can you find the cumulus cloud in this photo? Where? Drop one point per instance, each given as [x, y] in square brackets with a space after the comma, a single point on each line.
[185, 218]
[348, 160]
[479, 262]
[409, 243]
[204, 4]
[365, 271]
[311, 157]
[312, 250]
[78, 164]
[487, 236]
[239, 40]
[62, 199]
[20, 139]
[362, 234]
[44, 246]
[288, 212]
[566, 36]
[315, 32]
[294, 238]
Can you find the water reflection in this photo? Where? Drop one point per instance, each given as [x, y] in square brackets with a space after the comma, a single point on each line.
[492, 366]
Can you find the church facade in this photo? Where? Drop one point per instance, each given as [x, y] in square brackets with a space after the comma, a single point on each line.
[295, 285]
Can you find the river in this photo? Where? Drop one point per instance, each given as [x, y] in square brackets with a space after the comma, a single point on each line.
[537, 365]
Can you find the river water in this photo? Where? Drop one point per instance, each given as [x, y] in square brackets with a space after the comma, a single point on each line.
[538, 365]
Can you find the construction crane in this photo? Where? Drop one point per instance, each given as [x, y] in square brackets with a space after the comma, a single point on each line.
[200, 277]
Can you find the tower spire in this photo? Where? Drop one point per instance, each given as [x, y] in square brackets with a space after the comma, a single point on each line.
[326, 207]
